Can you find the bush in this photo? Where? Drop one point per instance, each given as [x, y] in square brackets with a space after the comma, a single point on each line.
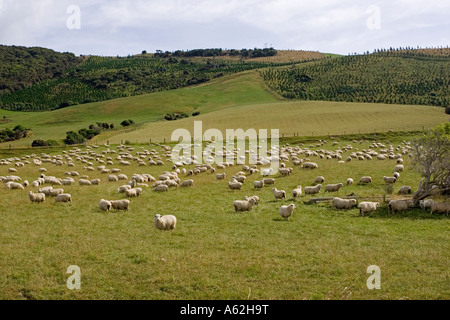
[125, 123]
[74, 138]
[447, 110]
[196, 113]
[39, 143]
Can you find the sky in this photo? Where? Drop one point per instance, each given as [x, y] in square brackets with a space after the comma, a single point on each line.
[123, 27]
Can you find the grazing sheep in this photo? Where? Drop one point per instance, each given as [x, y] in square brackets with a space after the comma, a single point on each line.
[256, 198]
[286, 211]
[220, 176]
[161, 188]
[258, 184]
[63, 197]
[349, 181]
[14, 185]
[55, 192]
[365, 180]
[319, 179]
[440, 207]
[340, 203]
[166, 222]
[244, 205]
[405, 190]
[120, 204]
[279, 194]
[313, 190]
[235, 185]
[268, 181]
[113, 178]
[171, 183]
[285, 171]
[36, 197]
[297, 192]
[426, 204]
[95, 182]
[396, 175]
[368, 207]
[105, 205]
[310, 165]
[389, 179]
[123, 188]
[398, 205]
[333, 187]
[122, 176]
[240, 179]
[399, 168]
[266, 172]
[84, 182]
[131, 193]
[187, 183]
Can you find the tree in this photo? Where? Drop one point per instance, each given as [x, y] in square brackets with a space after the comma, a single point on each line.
[431, 158]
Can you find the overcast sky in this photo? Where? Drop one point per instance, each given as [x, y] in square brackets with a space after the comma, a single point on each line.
[122, 27]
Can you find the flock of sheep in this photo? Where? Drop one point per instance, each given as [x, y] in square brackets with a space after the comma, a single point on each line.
[91, 160]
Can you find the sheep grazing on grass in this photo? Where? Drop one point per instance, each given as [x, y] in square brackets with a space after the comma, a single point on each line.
[313, 190]
[396, 175]
[426, 204]
[440, 207]
[256, 198]
[333, 187]
[105, 205]
[349, 181]
[367, 207]
[310, 165]
[286, 211]
[279, 194]
[258, 184]
[120, 204]
[63, 197]
[161, 188]
[220, 176]
[399, 168]
[36, 197]
[166, 222]
[268, 181]
[398, 205]
[285, 171]
[297, 192]
[113, 178]
[365, 180]
[266, 172]
[45, 190]
[389, 179]
[319, 179]
[14, 185]
[244, 205]
[187, 183]
[84, 182]
[340, 203]
[405, 190]
[123, 188]
[55, 192]
[235, 185]
[131, 193]
[95, 182]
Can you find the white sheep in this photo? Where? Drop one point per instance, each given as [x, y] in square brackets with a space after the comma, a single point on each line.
[319, 179]
[426, 204]
[367, 207]
[286, 211]
[340, 203]
[405, 190]
[244, 205]
[297, 192]
[349, 181]
[166, 222]
[235, 185]
[398, 205]
[63, 197]
[279, 194]
[310, 165]
[187, 183]
[389, 179]
[256, 198]
[258, 184]
[123, 188]
[36, 197]
[131, 193]
[220, 176]
[84, 182]
[14, 185]
[55, 192]
[95, 182]
[365, 180]
[120, 204]
[161, 188]
[105, 205]
[440, 207]
[268, 181]
[113, 178]
[399, 168]
[313, 190]
[333, 187]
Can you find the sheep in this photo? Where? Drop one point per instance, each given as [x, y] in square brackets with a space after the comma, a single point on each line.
[105, 205]
[279, 194]
[123, 188]
[244, 205]
[349, 181]
[258, 184]
[426, 204]
[235, 185]
[256, 198]
[398, 205]
[396, 175]
[171, 183]
[55, 192]
[95, 182]
[122, 177]
[365, 180]
[405, 190]
[131, 193]
[84, 182]
[220, 176]
[266, 172]
[120, 204]
[340, 203]
[310, 165]
[187, 183]
[319, 179]
[286, 211]
[14, 185]
[161, 188]
[399, 168]
[333, 187]
[440, 207]
[268, 181]
[297, 192]
[367, 207]
[166, 222]
[389, 179]
[36, 197]
[63, 197]
[26, 183]
[113, 178]
[313, 190]
[285, 171]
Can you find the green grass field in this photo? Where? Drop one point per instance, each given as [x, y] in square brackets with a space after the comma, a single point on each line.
[319, 253]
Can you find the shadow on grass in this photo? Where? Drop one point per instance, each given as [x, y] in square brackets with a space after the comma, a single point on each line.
[411, 214]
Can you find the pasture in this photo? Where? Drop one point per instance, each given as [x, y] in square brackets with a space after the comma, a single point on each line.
[214, 253]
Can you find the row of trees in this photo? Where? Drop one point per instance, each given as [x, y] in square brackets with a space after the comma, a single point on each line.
[218, 52]
[18, 132]
[82, 135]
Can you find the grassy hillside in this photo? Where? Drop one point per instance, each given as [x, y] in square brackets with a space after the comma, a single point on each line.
[419, 77]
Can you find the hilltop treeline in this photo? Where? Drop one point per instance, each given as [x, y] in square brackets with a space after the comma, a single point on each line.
[103, 78]
[387, 76]
[218, 52]
[21, 67]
